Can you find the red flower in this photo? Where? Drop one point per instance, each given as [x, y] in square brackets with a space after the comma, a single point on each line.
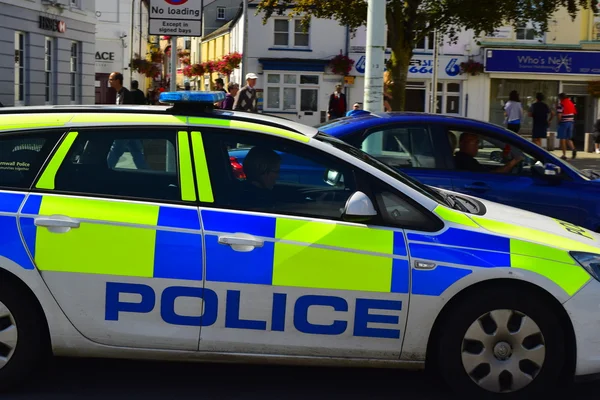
[341, 64]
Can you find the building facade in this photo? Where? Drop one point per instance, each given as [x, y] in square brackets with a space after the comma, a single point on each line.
[121, 34]
[47, 52]
[565, 59]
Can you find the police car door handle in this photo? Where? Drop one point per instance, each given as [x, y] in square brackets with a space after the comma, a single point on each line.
[57, 223]
[241, 242]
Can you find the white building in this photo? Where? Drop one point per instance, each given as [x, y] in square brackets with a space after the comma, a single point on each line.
[121, 33]
[46, 52]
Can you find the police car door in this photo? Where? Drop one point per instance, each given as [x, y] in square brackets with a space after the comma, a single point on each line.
[108, 227]
[285, 274]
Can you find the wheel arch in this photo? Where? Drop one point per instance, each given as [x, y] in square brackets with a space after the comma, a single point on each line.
[473, 290]
[15, 281]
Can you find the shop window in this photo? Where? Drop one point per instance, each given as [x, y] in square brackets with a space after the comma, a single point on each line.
[19, 68]
[290, 92]
[427, 43]
[290, 33]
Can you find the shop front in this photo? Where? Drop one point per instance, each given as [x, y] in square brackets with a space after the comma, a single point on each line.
[543, 71]
[450, 83]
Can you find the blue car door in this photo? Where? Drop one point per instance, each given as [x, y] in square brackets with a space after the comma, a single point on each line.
[413, 148]
[521, 187]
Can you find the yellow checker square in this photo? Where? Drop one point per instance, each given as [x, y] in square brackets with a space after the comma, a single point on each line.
[570, 278]
[336, 235]
[97, 249]
[316, 268]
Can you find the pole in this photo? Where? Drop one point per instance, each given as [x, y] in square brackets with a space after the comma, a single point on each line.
[173, 86]
[375, 55]
[245, 44]
[434, 80]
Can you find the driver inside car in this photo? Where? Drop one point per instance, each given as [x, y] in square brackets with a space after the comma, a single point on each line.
[464, 159]
[261, 166]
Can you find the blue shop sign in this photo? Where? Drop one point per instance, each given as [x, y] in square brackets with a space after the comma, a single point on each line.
[542, 61]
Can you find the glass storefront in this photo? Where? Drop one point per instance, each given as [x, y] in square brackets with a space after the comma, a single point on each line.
[527, 89]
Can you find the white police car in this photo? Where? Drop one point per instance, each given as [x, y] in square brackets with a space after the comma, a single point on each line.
[133, 232]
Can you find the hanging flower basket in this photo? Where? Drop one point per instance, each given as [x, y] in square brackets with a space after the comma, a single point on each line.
[471, 67]
[210, 67]
[144, 67]
[185, 60]
[156, 55]
[183, 53]
[166, 37]
[341, 65]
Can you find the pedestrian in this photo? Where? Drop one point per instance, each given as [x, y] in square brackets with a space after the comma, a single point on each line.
[596, 135]
[246, 98]
[337, 103]
[566, 112]
[513, 111]
[233, 89]
[542, 116]
[356, 111]
[220, 85]
[136, 94]
[123, 94]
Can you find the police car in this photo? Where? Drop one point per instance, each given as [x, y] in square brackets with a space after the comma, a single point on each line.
[129, 231]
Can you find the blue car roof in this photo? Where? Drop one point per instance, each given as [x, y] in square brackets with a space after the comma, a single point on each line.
[343, 126]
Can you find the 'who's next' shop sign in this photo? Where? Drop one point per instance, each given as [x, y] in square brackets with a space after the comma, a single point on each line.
[542, 62]
[176, 17]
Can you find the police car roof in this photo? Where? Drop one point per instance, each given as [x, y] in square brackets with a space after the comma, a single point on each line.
[265, 119]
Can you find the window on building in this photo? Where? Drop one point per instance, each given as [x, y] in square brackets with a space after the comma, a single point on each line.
[48, 70]
[292, 92]
[75, 3]
[290, 33]
[220, 13]
[19, 68]
[426, 43]
[122, 162]
[526, 32]
[448, 97]
[74, 70]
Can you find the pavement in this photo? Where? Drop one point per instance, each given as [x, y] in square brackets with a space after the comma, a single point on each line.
[119, 379]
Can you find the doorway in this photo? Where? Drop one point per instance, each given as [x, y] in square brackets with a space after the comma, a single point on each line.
[582, 123]
[104, 93]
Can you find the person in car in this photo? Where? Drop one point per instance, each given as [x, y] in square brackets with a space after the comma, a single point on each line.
[464, 159]
[261, 166]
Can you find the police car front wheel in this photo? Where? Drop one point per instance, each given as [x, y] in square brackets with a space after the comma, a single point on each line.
[501, 343]
[23, 334]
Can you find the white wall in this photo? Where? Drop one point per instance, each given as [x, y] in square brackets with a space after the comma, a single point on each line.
[236, 43]
[113, 35]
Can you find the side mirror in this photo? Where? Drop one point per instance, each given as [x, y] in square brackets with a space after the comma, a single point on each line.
[359, 208]
[332, 177]
[496, 156]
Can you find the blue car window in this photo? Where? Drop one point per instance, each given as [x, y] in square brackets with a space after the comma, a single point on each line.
[401, 146]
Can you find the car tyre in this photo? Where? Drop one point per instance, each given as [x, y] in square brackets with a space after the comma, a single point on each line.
[23, 336]
[501, 343]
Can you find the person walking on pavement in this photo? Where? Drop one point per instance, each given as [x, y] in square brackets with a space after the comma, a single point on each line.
[136, 94]
[246, 97]
[123, 94]
[542, 116]
[233, 88]
[513, 110]
[337, 103]
[566, 120]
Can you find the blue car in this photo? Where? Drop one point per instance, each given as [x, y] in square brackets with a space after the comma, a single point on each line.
[424, 147]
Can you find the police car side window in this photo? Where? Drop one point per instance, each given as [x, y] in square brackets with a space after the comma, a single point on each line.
[22, 155]
[257, 173]
[399, 212]
[138, 163]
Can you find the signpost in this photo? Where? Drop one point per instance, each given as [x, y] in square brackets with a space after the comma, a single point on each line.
[176, 17]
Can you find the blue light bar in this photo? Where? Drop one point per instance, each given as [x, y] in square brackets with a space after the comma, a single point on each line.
[191, 97]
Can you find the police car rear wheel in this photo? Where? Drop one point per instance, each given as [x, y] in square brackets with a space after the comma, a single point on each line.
[23, 335]
[501, 343]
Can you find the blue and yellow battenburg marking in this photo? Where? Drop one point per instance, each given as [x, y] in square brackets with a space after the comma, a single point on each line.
[11, 246]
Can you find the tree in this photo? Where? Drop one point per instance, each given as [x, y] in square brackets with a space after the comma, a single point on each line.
[410, 21]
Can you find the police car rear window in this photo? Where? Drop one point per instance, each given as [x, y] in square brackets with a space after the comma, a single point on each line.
[22, 156]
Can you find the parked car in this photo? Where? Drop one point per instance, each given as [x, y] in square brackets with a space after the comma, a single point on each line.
[423, 146]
